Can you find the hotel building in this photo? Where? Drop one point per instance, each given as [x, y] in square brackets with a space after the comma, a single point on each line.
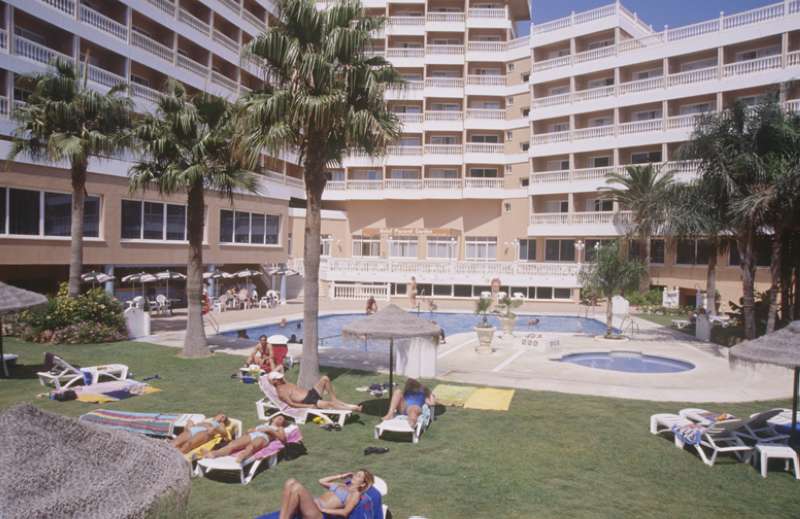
[506, 141]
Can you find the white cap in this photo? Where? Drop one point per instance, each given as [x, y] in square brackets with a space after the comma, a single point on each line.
[278, 339]
[275, 375]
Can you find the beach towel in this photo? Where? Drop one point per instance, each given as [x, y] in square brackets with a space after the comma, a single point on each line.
[200, 451]
[293, 435]
[490, 399]
[151, 424]
[370, 507]
[690, 434]
[453, 395]
[104, 392]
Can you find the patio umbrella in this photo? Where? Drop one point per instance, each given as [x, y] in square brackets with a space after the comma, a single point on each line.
[781, 348]
[13, 299]
[284, 272]
[139, 277]
[217, 274]
[95, 277]
[389, 324]
[167, 275]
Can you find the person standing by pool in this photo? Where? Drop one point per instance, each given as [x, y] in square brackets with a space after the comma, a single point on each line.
[263, 355]
[372, 305]
[410, 401]
[412, 292]
[442, 337]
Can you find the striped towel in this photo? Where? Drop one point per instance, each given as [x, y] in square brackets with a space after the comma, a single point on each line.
[690, 434]
[151, 424]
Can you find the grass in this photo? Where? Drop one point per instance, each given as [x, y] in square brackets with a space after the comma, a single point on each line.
[550, 455]
[728, 336]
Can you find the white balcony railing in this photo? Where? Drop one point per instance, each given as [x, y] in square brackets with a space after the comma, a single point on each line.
[167, 6]
[444, 82]
[483, 183]
[443, 149]
[649, 125]
[225, 41]
[152, 46]
[443, 115]
[103, 77]
[415, 52]
[33, 51]
[486, 46]
[404, 151]
[100, 21]
[254, 20]
[194, 22]
[484, 147]
[486, 80]
[144, 92]
[222, 80]
[444, 50]
[486, 114]
[444, 18]
[442, 183]
[409, 118]
[66, 6]
[233, 5]
[751, 66]
[602, 174]
[574, 19]
[583, 218]
[405, 21]
[723, 23]
[403, 183]
[191, 65]
[487, 12]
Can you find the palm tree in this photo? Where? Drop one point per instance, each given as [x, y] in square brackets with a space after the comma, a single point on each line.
[609, 274]
[187, 147]
[64, 120]
[644, 191]
[323, 98]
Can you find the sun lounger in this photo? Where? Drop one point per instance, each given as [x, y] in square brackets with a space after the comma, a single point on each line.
[399, 424]
[664, 422]
[757, 428]
[247, 468]
[370, 507]
[234, 429]
[272, 402]
[62, 374]
[719, 438]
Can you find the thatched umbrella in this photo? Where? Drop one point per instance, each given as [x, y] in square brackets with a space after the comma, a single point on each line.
[13, 299]
[389, 324]
[781, 348]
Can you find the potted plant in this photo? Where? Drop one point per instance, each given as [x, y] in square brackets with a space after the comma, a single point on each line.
[508, 318]
[484, 330]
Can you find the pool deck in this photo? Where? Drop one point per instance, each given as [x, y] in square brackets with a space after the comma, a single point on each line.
[513, 364]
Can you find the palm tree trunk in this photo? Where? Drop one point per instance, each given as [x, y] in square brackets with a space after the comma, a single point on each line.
[315, 184]
[775, 278]
[746, 241]
[609, 313]
[711, 277]
[76, 227]
[644, 282]
[195, 343]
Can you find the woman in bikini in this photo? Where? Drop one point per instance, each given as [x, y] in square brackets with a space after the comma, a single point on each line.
[254, 440]
[410, 401]
[196, 434]
[343, 492]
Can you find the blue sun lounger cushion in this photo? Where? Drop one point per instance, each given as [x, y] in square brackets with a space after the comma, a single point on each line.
[370, 507]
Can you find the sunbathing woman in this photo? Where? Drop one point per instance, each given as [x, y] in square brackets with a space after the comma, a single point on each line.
[254, 440]
[196, 434]
[410, 401]
[340, 499]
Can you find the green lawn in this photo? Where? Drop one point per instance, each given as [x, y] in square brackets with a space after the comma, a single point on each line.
[728, 336]
[551, 455]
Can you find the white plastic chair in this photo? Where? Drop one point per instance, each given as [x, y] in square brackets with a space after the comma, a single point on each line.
[221, 303]
[64, 374]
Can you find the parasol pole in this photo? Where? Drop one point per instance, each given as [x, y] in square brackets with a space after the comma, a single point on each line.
[793, 434]
[391, 370]
[4, 373]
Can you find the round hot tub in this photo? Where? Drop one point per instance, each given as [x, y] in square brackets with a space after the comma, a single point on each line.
[628, 362]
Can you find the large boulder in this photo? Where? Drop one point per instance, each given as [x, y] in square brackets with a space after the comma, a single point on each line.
[52, 466]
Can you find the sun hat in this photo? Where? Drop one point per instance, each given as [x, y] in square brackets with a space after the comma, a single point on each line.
[275, 375]
[278, 339]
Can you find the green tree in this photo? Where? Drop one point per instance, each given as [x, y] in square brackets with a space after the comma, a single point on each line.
[644, 191]
[64, 120]
[611, 273]
[187, 147]
[323, 98]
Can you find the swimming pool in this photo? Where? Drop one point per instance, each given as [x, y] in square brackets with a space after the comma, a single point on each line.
[628, 361]
[330, 327]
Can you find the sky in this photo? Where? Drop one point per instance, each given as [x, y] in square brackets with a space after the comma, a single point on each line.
[657, 13]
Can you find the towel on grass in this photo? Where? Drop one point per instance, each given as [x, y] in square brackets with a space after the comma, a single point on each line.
[104, 392]
[369, 507]
[454, 396]
[151, 424]
[490, 399]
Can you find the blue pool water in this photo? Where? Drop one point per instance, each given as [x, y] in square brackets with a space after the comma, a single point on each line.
[330, 327]
[628, 361]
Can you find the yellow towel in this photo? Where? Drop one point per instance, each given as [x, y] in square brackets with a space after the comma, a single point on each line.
[208, 446]
[490, 399]
[453, 395]
[94, 398]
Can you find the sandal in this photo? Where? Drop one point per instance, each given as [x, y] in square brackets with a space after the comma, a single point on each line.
[375, 450]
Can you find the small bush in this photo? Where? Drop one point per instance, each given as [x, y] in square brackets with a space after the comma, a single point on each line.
[91, 317]
[650, 298]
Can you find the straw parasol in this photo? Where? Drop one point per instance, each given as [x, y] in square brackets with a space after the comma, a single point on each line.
[389, 324]
[781, 348]
[13, 299]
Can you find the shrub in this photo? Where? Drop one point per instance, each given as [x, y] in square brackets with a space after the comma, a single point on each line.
[91, 317]
[650, 298]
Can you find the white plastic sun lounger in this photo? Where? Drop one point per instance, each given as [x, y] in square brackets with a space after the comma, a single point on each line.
[720, 438]
[757, 428]
[399, 424]
[271, 405]
[664, 422]
[63, 374]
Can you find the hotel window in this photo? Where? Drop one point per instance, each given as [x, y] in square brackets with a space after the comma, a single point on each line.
[698, 64]
[527, 250]
[657, 252]
[559, 250]
[558, 90]
[763, 52]
[599, 44]
[483, 172]
[647, 74]
[248, 228]
[695, 108]
[590, 249]
[441, 247]
[599, 205]
[152, 221]
[326, 240]
[444, 139]
[557, 165]
[334, 176]
[490, 139]
[366, 247]
[403, 247]
[596, 122]
[597, 83]
[646, 115]
[558, 127]
[556, 206]
[600, 162]
[479, 248]
[645, 157]
[443, 173]
[37, 213]
[692, 252]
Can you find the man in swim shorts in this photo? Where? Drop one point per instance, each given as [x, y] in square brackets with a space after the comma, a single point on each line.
[298, 397]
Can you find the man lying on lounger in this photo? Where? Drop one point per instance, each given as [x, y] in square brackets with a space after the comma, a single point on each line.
[309, 398]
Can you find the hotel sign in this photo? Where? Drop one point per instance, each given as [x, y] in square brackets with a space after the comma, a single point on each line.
[409, 231]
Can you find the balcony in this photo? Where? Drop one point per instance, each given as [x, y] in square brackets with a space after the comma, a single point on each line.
[484, 153]
[405, 57]
[191, 65]
[102, 22]
[486, 119]
[444, 87]
[412, 122]
[226, 41]
[152, 46]
[194, 22]
[444, 154]
[413, 89]
[146, 93]
[707, 29]
[223, 81]
[445, 21]
[487, 50]
[444, 120]
[595, 223]
[406, 25]
[444, 54]
[591, 179]
[488, 18]
[33, 51]
[483, 183]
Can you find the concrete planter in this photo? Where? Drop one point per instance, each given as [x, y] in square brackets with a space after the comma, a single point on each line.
[507, 324]
[485, 336]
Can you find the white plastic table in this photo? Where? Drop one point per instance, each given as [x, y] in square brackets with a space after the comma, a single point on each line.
[769, 451]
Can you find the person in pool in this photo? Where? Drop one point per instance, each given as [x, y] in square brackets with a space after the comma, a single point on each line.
[196, 434]
[410, 401]
[343, 492]
[254, 440]
[299, 397]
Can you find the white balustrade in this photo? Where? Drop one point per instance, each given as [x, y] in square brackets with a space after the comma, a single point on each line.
[442, 183]
[222, 80]
[549, 218]
[583, 218]
[443, 115]
[486, 79]
[593, 132]
[31, 50]
[549, 177]
[750, 66]
[398, 21]
[372, 53]
[404, 151]
[554, 100]
[225, 41]
[486, 12]
[518, 43]
[191, 65]
[335, 185]
[593, 93]
[364, 185]
[448, 50]
[97, 19]
[444, 82]
[486, 113]
[233, 5]
[152, 46]
[67, 6]
[693, 76]
[165, 5]
[483, 147]
[443, 149]
[486, 46]
[793, 58]
[551, 138]
[359, 292]
[444, 17]
[483, 183]
[254, 20]
[641, 85]
[413, 52]
[145, 92]
[104, 77]
[682, 121]
[649, 125]
[595, 54]
[403, 183]
[409, 118]
[193, 21]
